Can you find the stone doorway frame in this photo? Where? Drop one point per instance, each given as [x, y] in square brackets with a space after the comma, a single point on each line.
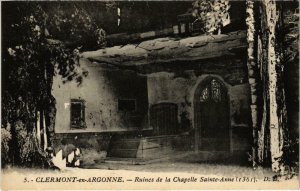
[201, 82]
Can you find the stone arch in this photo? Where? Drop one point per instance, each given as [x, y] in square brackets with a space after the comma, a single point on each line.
[211, 115]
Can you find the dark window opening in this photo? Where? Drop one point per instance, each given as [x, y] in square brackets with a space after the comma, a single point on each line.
[163, 118]
[77, 113]
[126, 105]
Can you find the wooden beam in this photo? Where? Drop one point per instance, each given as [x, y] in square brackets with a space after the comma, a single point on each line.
[164, 50]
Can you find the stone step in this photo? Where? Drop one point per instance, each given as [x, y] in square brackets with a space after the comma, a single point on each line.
[124, 147]
[146, 147]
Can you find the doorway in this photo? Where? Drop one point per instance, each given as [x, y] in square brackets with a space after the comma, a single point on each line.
[211, 107]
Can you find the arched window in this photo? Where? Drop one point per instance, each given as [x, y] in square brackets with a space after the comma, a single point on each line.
[212, 91]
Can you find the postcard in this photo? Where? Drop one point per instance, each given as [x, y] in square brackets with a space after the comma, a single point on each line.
[138, 95]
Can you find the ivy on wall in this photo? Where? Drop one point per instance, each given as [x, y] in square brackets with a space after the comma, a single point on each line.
[213, 14]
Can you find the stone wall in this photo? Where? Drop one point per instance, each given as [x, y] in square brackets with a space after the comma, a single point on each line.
[104, 85]
[165, 87]
[101, 90]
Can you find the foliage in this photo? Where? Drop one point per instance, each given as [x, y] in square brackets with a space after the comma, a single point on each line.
[36, 51]
[42, 42]
[214, 14]
[76, 27]
[31, 154]
[5, 139]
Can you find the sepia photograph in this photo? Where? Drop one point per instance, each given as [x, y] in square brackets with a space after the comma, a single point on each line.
[165, 95]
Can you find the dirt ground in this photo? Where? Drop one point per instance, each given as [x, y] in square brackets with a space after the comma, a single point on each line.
[186, 163]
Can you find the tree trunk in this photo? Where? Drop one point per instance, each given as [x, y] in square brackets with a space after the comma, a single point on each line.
[276, 135]
[252, 68]
[38, 128]
[45, 132]
[262, 124]
[266, 82]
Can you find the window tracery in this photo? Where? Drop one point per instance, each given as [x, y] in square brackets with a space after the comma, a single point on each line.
[212, 91]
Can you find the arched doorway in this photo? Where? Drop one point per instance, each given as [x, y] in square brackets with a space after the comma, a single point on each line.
[211, 107]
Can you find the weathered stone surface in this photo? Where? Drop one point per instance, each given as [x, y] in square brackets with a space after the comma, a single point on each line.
[101, 90]
[163, 50]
